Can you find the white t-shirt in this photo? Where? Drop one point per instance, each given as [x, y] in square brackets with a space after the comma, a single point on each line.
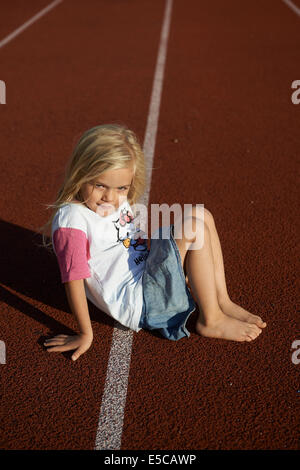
[108, 253]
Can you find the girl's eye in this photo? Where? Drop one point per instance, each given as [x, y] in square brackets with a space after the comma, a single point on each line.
[121, 188]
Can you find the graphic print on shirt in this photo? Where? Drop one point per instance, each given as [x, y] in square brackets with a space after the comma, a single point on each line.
[123, 227]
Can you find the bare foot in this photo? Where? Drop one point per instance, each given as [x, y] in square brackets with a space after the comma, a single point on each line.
[226, 327]
[235, 311]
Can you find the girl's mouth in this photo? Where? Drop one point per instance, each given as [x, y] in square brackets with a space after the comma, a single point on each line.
[104, 209]
[104, 204]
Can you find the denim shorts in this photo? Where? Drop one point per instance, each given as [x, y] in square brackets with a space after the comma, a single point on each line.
[167, 301]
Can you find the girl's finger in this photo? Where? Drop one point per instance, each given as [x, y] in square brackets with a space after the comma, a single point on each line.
[59, 340]
[54, 349]
[55, 342]
[66, 347]
[56, 337]
[78, 353]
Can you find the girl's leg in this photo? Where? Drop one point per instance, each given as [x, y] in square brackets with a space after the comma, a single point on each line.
[226, 304]
[212, 322]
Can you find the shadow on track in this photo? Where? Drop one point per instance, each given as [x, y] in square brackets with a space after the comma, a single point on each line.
[30, 270]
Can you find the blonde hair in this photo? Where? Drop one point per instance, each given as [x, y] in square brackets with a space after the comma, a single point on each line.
[99, 149]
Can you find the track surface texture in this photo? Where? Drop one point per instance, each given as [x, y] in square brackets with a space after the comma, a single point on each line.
[228, 138]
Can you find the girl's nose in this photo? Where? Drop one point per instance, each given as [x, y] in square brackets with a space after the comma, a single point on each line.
[108, 195]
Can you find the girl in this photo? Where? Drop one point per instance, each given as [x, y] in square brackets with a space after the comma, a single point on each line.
[103, 257]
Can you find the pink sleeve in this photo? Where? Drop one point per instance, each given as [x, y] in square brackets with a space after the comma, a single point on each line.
[72, 250]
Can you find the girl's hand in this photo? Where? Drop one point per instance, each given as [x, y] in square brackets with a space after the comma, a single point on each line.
[62, 343]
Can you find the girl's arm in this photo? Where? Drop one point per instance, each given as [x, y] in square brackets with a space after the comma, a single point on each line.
[78, 303]
[79, 306]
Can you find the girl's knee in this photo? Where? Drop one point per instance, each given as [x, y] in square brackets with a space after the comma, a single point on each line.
[208, 217]
[206, 231]
[196, 222]
[196, 230]
[202, 213]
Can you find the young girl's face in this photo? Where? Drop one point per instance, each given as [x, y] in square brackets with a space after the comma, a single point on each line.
[108, 191]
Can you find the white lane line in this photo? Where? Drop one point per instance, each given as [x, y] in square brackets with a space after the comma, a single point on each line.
[28, 23]
[110, 424]
[292, 6]
[153, 114]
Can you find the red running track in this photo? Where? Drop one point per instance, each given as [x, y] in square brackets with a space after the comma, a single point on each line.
[228, 137]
